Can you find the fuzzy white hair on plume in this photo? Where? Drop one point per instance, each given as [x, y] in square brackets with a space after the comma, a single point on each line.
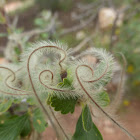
[36, 45]
[102, 71]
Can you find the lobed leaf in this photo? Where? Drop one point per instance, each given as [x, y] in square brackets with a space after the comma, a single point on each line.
[12, 128]
[65, 106]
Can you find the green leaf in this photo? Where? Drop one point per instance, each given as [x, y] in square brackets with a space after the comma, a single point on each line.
[5, 105]
[81, 134]
[86, 119]
[66, 105]
[26, 129]
[13, 127]
[103, 99]
[38, 121]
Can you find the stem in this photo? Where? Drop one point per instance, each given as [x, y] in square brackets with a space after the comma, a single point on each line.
[59, 124]
[107, 115]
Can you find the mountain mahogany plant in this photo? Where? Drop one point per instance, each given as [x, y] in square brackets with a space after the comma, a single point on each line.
[49, 79]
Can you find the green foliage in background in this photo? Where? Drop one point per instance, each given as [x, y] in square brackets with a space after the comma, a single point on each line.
[129, 45]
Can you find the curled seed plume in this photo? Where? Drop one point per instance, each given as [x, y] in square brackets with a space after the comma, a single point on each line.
[105, 113]
[103, 70]
[30, 78]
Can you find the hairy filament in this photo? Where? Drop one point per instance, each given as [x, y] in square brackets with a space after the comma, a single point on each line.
[106, 114]
[35, 93]
[55, 89]
[118, 96]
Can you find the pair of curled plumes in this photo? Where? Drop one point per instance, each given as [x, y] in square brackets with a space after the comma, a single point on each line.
[45, 64]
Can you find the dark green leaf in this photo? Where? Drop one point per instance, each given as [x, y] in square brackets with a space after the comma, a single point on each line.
[38, 121]
[66, 105]
[5, 105]
[86, 118]
[13, 127]
[81, 134]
